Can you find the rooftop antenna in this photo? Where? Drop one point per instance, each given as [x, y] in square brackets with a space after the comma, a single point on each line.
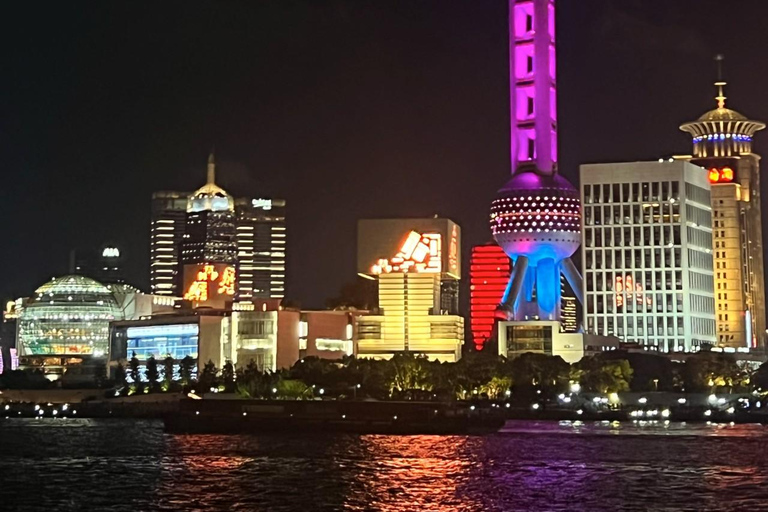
[720, 84]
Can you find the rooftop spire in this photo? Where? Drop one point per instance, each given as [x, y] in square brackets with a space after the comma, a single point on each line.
[720, 84]
[211, 169]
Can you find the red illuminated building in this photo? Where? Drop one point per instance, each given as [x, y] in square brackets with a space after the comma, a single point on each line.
[489, 270]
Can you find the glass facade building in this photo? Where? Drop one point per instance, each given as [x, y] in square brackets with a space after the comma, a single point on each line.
[647, 254]
[68, 315]
[175, 340]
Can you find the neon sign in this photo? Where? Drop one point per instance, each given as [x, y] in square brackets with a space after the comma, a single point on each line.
[724, 175]
[418, 253]
[199, 290]
[453, 251]
[110, 252]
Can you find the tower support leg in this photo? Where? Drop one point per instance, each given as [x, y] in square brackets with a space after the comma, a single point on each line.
[506, 308]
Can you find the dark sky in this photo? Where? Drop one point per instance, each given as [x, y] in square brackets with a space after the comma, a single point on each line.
[348, 109]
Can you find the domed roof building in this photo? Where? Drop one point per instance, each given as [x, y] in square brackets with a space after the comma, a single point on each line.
[722, 132]
[68, 315]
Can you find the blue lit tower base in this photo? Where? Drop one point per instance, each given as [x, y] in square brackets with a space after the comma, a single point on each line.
[536, 219]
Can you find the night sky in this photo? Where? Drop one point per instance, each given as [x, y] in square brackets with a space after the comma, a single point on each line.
[347, 109]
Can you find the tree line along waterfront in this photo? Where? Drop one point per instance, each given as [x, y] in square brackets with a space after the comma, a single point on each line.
[530, 378]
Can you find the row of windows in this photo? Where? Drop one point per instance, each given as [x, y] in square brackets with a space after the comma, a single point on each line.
[699, 260]
[649, 326]
[657, 258]
[652, 213]
[637, 236]
[698, 215]
[638, 281]
[635, 303]
[699, 238]
[631, 192]
[697, 194]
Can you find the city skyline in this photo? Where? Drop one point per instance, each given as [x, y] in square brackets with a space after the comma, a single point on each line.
[274, 150]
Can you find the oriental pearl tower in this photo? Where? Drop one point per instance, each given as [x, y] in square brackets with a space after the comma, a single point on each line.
[536, 216]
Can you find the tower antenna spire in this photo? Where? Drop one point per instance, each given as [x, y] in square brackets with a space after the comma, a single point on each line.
[720, 84]
[211, 167]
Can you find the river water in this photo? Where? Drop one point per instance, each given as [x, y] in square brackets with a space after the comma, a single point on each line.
[124, 465]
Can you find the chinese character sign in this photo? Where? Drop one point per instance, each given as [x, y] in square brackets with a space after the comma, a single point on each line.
[210, 282]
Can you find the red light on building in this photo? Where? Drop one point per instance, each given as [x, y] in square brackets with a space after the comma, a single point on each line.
[489, 269]
[724, 175]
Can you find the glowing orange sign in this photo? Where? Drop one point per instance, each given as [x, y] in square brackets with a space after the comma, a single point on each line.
[627, 285]
[199, 289]
[418, 253]
[453, 251]
[724, 175]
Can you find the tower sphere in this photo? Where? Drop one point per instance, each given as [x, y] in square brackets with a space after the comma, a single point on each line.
[537, 216]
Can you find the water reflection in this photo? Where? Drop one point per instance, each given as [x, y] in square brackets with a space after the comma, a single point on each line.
[122, 466]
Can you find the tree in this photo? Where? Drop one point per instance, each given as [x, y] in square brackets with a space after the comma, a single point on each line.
[650, 372]
[707, 371]
[135, 372]
[207, 379]
[186, 367]
[293, 389]
[497, 387]
[475, 370]
[604, 376]
[120, 375]
[534, 372]
[228, 377]
[168, 372]
[251, 383]
[408, 372]
[152, 374]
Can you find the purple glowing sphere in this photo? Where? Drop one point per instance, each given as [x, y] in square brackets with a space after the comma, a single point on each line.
[537, 216]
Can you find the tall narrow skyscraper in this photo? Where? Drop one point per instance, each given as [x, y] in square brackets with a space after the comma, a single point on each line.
[261, 248]
[169, 214]
[209, 247]
[722, 144]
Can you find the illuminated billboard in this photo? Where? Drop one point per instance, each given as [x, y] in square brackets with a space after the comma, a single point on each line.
[721, 175]
[409, 245]
[209, 282]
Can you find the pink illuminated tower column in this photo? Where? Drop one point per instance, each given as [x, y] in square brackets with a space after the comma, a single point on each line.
[536, 216]
[532, 90]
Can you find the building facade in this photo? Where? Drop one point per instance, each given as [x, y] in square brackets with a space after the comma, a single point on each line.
[722, 144]
[647, 254]
[261, 248]
[416, 263]
[262, 333]
[169, 216]
[209, 247]
[489, 269]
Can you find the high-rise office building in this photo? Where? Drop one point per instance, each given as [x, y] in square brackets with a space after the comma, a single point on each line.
[722, 144]
[411, 259]
[105, 264]
[647, 253]
[261, 248]
[489, 269]
[169, 215]
[209, 246]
